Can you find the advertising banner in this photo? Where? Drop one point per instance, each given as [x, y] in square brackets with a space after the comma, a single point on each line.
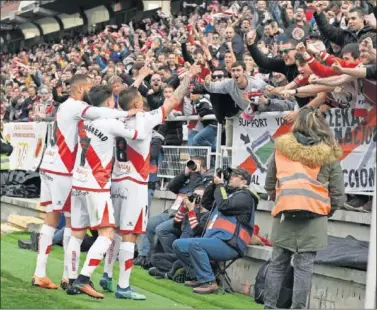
[28, 141]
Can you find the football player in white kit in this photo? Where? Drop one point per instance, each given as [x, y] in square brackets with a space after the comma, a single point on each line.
[91, 202]
[129, 189]
[56, 171]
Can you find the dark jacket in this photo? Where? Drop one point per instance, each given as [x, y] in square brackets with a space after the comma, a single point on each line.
[237, 46]
[155, 100]
[204, 107]
[156, 147]
[58, 98]
[233, 216]
[338, 35]
[223, 106]
[183, 184]
[173, 133]
[193, 224]
[276, 65]
[371, 72]
[306, 234]
[241, 202]
[26, 107]
[5, 147]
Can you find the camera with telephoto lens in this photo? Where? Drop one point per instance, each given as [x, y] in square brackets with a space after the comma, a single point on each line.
[191, 165]
[225, 172]
[194, 198]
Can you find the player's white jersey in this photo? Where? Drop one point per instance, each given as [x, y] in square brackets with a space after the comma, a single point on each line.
[94, 161]
[59, 157]
[132, 157]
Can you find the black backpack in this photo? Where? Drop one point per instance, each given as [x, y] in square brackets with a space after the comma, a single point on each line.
[285, 296]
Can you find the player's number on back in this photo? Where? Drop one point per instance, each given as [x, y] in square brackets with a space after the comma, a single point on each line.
[53, 137]
[121, 147]
[84, 141]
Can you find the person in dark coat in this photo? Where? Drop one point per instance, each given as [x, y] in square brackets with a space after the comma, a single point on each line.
[339, 36]
[285, 65]
[191, 220]
[237, 44]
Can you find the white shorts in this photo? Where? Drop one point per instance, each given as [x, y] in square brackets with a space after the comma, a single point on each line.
[91, 210]
[56, 192]
[130, 201]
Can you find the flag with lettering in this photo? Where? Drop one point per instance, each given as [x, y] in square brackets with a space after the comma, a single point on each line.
[253, 145]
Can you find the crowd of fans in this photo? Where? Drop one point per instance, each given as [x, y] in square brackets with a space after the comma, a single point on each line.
[253, 56]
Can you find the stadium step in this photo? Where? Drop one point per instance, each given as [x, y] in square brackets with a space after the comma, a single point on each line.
[21, 206]
[6, 228]
[26, 223]
[341, 224]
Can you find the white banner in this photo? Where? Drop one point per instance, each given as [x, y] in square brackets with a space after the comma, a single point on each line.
[253, 146]
[28, 141]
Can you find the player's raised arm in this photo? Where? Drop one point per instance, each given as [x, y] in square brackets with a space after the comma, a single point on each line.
[170, 104]
[138, 133]
[92, 113]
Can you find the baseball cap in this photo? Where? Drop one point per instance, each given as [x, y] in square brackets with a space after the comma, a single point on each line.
[242, 173]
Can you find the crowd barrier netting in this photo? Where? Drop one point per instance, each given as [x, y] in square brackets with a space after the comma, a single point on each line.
[253, 145]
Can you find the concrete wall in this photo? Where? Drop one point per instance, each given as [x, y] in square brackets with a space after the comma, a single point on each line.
[48, 25]
[29, 30]
[70, 21]
[151, 5]
[96, 15]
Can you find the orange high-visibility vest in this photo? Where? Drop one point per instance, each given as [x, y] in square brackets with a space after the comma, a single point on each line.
[298, 188]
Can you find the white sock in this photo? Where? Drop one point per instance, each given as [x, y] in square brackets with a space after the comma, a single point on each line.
[111, 255]
[72, 257]
[45, 243]
[95, 255]
[66, 236]
[126, 255]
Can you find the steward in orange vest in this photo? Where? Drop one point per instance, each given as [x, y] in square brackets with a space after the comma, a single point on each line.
[299, 193]
[305, 179]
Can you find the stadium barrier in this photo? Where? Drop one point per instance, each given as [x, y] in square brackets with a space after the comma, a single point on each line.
[253, 146]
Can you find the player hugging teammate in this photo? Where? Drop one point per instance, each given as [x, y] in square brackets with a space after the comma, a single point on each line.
[80, 178]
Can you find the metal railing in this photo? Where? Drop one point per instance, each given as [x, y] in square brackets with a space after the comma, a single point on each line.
[217, 154]
[174, 159]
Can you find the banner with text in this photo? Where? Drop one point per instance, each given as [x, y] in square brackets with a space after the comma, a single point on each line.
[253, 146]
[28, 141]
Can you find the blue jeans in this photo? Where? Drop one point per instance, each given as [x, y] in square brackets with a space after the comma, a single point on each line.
[190, 136]
[153, 222]
[58, 236]
[206, 137]
[145, 246]
[167, 234]
[197, 253]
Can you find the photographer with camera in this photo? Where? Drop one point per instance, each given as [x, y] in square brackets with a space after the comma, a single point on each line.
[162, 224]
[228, 232]
[191, 220]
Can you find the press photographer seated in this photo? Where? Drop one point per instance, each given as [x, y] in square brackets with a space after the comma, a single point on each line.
[227, 234]
[190, 220]
[194, 174]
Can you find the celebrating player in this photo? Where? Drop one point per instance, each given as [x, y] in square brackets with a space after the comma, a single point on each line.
[129, 192]
[56, 171]
[91, 203]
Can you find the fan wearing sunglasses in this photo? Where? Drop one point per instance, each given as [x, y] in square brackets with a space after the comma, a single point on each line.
[285, 64]
[44, 102]
[218, 75]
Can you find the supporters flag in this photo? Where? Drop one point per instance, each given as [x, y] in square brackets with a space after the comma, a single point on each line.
[253, 145]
